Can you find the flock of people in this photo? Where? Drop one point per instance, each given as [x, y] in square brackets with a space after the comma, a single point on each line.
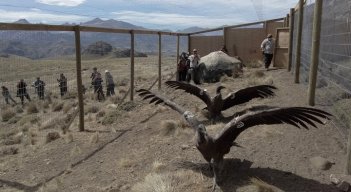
[39, 85]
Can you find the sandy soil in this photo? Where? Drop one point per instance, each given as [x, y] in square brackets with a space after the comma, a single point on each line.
[138, 154]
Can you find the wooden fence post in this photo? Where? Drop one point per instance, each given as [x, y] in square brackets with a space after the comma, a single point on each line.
[131, 65]
[79, 77]
[159, 61]
[316, 35]
[177, 76]
[298, 44]
[189, 44]
[291, 35]
[287, 20]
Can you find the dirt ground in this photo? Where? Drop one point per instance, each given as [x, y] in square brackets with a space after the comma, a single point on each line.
[141, 153]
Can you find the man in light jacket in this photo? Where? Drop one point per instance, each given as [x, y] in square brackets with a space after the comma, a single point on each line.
[267, 47]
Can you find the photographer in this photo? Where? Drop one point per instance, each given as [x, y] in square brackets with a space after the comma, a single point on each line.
[194, 62]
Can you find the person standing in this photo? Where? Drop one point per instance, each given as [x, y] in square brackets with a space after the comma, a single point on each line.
[22, 90]
[7, 95]
[194, 63]
[40, 88]
[110, 85]
[182, 66]
[267, 47]
[62, 84]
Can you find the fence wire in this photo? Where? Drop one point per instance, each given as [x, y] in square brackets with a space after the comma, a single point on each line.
[31, 63]
[334, 80]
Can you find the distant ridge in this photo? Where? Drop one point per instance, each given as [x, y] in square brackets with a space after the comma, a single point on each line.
[22, 21]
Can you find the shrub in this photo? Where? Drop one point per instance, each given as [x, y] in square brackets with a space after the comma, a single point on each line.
[92, 109]
[111, 117]
[57, 106]
[32, 108]
[29, 119]
[7, 114]
[52, 136]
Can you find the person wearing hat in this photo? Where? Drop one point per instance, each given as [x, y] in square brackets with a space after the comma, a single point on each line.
[110, 85]
[267, 47]
[194, 63]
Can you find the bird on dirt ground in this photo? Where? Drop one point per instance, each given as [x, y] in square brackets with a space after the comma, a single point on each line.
[217, 104]
[213, 149]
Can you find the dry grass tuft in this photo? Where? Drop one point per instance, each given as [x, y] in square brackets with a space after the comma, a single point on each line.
[111, 117]
[168, 127]
[158, 166]
[125, 163]
[115, 99]
[262, 186]
[29, 119]
[92, 109]
[67, 107]
[69, 138]
[7, 114]
[101, 113]
[57, 106]
[75, 151]
[257, 74]
[9, 151]
[260, 80]
[254, 64]
[94, 138]
[32, 108]
[19, 109]
[52, 136]
[177, 181]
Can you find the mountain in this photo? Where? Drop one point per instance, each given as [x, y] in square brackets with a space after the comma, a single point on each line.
[111, 23]
[22, 21]
[191, 30]
[44, 44]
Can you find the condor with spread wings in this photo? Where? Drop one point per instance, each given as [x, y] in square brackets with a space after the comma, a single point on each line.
[217, 104]
[213, 149]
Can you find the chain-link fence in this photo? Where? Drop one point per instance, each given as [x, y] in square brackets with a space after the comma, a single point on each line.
[334, 69]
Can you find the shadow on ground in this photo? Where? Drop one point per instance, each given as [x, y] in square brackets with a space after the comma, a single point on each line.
[237, 174]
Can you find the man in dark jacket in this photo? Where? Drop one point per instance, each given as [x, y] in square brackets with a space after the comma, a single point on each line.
[62, 84]
[22, 90]
[39, 86]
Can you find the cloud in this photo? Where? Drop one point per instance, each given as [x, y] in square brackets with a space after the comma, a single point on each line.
[38, 16]
[170, 19]
[68, 3]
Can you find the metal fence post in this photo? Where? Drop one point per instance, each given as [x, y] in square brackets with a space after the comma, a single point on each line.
[189, 44]
[298, 45]
[79, 77]
[159, 61]
[131, 65]
[291, 35]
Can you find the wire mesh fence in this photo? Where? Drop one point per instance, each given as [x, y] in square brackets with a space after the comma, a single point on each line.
[293, 62]
[334, 79]
[34, 93]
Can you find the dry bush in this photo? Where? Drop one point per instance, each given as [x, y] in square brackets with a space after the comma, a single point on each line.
[158, 166]
[111, 117]
[75, 151]
[9, 151]
[123, 82]
[18, 109]
[127, 106]
[70, 95]
[57, 106]
[14, 120]
[168, 127]
[46, 104]
[92, 109]
[94, 138]
[29, 119]
[101, 113]
[67, 107]
[13, 139]
[125, 163]
[122, 90]
[262, 186]
[260, 80]
[176, 181]
[52, 136]
[32, 108]
[254, 64]
[68, 138]
[115, 99]
[7, 114]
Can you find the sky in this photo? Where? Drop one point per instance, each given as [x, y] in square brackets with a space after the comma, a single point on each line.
[154, 14]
